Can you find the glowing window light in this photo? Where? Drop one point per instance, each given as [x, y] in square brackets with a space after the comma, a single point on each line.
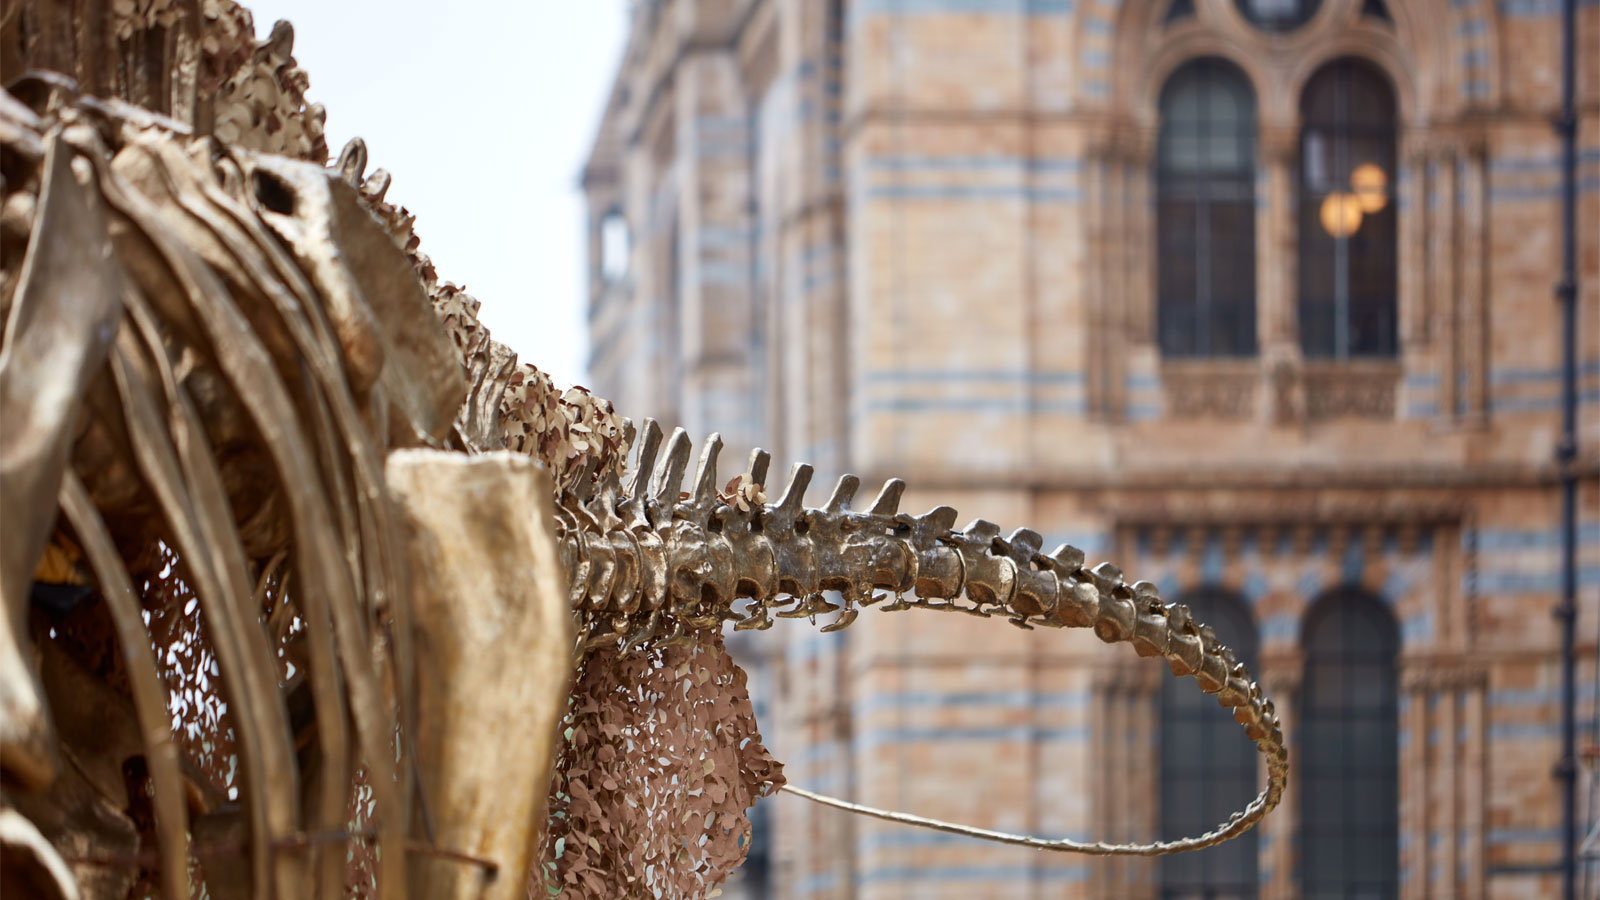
[1371, 187]
[1341, 214]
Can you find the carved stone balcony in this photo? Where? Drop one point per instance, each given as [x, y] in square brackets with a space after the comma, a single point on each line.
[1298, 390]
[1350, 389]
[1210, 389]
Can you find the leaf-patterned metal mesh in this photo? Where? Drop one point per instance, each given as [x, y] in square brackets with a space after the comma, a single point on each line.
[200, 722]
[659, 764]
[189, 667]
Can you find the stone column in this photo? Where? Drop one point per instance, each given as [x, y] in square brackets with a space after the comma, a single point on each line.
[1124, 766]
[1443, 774]
[1281, 677]
[1277, 319]
[1097, 295]
[1111, 333]
[1474, 288]
[1415, 300]
[1442, 268]
[1276, 245]
[1415, 772]
[1138, 153]
[1138, 250]
[1475, 774]
[1445, 735]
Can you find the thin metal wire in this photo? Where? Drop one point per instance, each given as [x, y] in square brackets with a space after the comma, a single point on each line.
[1235, 825]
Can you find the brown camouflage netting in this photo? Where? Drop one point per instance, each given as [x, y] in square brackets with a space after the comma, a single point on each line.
[661, 763]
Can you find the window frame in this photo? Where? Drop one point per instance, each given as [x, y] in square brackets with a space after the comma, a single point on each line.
[1332, 623]
[1201, 325]
[1318, 261]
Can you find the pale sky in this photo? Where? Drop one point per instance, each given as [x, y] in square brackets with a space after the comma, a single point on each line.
[484, 113]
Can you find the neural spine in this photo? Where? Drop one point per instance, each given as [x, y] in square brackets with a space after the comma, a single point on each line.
[652, 556]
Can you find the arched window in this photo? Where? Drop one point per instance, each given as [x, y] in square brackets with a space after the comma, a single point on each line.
[1278, 15]
[1206, 212]
[1348, 225]
[614, 246]
[1349, 761]
[1208, 769]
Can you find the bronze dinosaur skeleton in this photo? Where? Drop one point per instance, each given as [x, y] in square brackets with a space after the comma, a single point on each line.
[221, 369]
[641, 557]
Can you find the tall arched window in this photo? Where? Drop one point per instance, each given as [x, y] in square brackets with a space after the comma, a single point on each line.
[1206, 212]
[1349, 761]
[614, 249]
[1208, 769]
[1348, 225]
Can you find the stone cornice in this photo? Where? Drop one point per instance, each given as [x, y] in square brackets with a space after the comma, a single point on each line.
[1444, 675]
[1252, 477]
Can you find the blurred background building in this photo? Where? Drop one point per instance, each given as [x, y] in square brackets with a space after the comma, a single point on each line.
[1251, 296]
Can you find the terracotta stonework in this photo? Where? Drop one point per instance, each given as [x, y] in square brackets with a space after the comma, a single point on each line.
[916, 237]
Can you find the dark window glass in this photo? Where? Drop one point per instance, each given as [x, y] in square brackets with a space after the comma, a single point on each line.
[1205, 212]
[1375, 9]
[1348, 225]
[755, 876]
[1208, 768]
[1349, 757]
[1278, 15]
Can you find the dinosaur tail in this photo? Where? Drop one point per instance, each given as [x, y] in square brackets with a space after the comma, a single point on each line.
[652, 555]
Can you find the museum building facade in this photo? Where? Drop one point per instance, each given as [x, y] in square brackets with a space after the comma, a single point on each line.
[1252, 297]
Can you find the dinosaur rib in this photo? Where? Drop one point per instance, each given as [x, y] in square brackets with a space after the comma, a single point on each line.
[652, 553]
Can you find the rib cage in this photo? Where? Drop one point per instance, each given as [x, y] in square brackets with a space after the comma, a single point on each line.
[651, 553]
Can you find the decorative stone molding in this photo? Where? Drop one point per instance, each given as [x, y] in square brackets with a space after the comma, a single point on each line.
[1286, 390]
[1443, 675]
[1210, 389]
[1359, 390]
[1302, 512]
